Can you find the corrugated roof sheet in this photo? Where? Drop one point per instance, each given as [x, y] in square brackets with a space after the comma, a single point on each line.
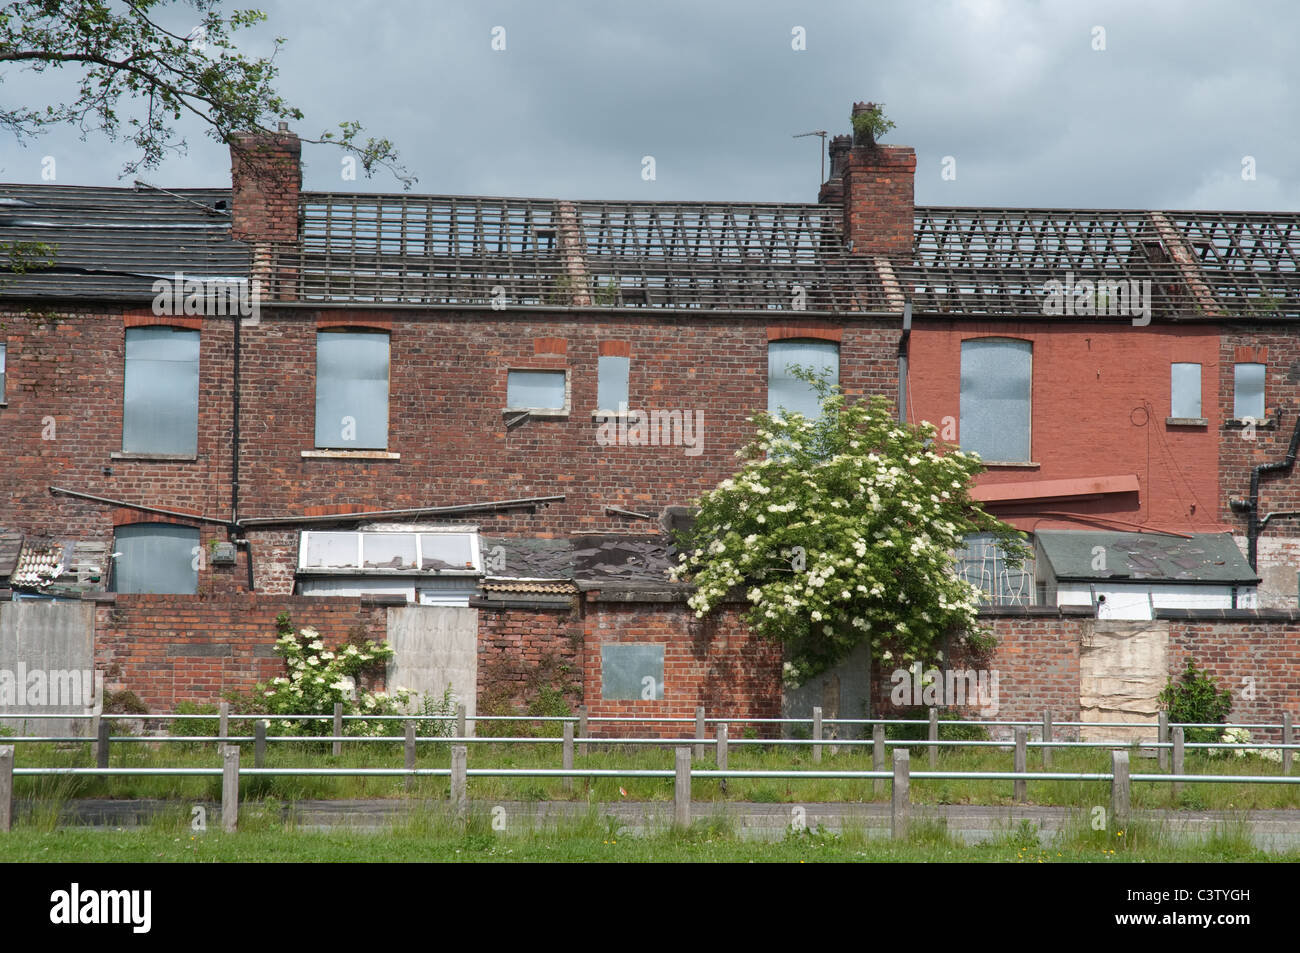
[56, 566]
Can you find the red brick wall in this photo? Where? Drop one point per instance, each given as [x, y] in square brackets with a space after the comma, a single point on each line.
[1266, 652]
[878, 199]
[522, 651]
[1094, 386]
[1279, 543]
[172, 649]
[715, 662]
[1037, 659]
[266, 179]
[448, 378]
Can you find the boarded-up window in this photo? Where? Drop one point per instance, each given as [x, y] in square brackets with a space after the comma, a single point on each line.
[352, 390]
[535, 390]
[996, 376]
[1185, 391]
[612, 378]
[631, 672]
[787, 392]
[156, 557]
[1248, 391]
[160, 399]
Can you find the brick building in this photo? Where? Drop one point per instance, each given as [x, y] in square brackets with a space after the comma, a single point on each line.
[220, 403]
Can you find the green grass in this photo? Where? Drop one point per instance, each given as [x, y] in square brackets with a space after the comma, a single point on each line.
[428, 833]
[1221, 796]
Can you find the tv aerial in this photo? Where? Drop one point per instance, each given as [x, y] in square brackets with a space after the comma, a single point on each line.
[822, 133]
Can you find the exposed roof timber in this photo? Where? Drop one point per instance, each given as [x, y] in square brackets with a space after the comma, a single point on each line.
[465, 251]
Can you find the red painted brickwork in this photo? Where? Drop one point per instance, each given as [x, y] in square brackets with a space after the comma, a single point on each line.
[715, 662]
[172, 649]
[1099, 404]
[523, 651]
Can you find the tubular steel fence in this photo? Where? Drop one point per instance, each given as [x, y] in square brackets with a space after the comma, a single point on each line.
[1170, 740]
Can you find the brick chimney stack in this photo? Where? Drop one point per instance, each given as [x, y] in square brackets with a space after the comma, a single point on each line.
[875, 185]
[265, 180]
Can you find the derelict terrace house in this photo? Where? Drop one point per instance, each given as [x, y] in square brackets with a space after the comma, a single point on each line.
[466, 424]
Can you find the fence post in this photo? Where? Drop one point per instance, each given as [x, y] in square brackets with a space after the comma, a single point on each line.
[582, 730]
[338, 728]
[817, 735]
[568, 754]
[699, 732]
[1047, 739]
[682, 789]
[459, 782]
[934, 736]
[97, 713]
[1020, 785]
[1119, 789]
[259, 743]
[223, 722]
[460, 721]
[1178, 759]
[408, 749]
[101, 745]
[1288, 738]
[230, 788]
[721, 755]
[878, 756]
[900, 802]
[1163, 733]
[6, 789]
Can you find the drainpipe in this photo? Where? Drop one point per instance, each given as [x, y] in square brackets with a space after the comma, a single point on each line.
[1250, 506]
[234, 451]
[902, 362]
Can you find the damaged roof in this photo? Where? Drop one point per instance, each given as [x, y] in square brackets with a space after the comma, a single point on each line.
[55, 567]
[1201, 558]
[114, 243]
[446, 250]
[588, 558]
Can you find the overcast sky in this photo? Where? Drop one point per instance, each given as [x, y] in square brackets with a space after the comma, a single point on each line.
[1015, 92]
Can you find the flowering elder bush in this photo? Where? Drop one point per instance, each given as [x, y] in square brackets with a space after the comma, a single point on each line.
[842, 531]
[319, 677]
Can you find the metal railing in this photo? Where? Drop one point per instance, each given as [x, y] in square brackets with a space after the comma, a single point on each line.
[459, 772]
